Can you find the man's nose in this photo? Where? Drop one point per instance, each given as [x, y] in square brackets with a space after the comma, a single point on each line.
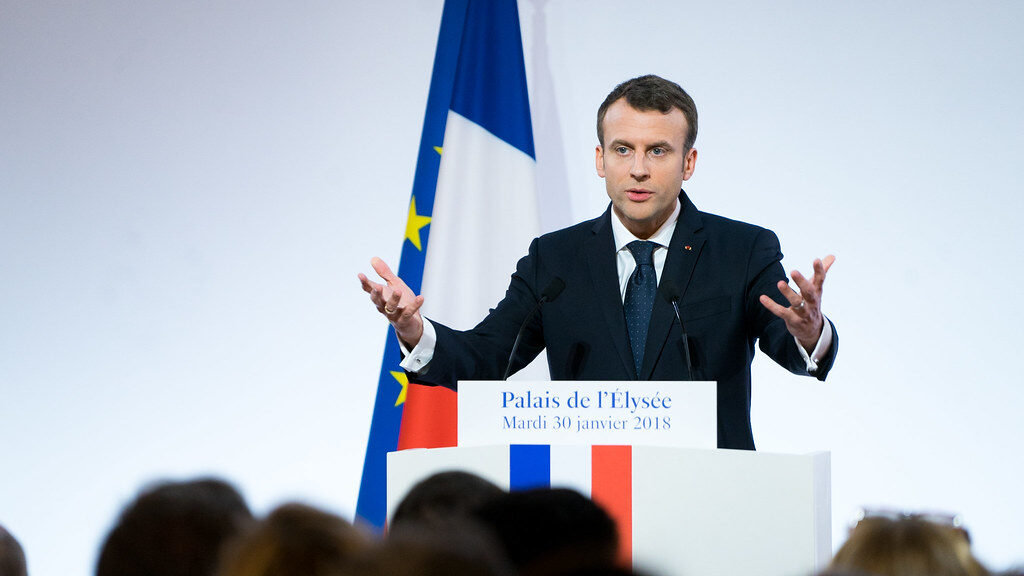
[639, 168]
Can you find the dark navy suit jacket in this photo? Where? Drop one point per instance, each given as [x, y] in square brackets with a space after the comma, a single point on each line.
[719, 268]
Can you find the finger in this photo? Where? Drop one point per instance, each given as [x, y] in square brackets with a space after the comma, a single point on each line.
[410, 310]
[378, 296]
[393, 301]
[376, 292]
[775, 308]
[788, 293]
[808, 292]
[827, 262]
[821, 269]
[368, 285]
[819, 274]
[383, 270]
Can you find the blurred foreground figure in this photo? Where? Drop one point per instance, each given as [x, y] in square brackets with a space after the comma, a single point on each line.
[454, 547]
[294, 540]
[901, 544]
[174, 529]
[12, 557]
[443, 496]
[552, 531]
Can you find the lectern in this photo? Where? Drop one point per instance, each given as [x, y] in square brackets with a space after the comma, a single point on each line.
[680, 511]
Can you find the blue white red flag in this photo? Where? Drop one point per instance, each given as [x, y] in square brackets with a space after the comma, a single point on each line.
[473, 204]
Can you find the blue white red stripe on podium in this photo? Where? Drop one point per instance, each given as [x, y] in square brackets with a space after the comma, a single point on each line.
[604, 473]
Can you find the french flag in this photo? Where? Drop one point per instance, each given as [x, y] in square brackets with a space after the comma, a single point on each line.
[473, 212]
[485, 210]
[603, 473]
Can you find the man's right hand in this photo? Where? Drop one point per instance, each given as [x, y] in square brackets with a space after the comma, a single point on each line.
[396, 302]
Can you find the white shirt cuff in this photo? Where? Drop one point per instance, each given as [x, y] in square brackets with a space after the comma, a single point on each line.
[416, 360]
[820, 349]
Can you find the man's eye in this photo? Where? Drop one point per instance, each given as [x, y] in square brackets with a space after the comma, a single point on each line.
[622, 150]
[658, 151]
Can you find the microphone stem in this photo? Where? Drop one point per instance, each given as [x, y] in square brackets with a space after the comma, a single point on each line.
[686, 340]
[519, 337]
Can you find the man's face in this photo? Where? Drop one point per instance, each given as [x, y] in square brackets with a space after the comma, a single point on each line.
[644, 163]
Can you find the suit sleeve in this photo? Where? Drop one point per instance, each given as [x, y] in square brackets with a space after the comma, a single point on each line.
[482, 353]
[764, 272]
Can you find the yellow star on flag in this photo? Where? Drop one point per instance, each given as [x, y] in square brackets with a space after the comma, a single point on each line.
[403, 379]
[438, 149]
[413, 225]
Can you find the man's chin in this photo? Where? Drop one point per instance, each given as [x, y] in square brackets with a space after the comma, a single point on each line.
[636, 222]
[636, 214]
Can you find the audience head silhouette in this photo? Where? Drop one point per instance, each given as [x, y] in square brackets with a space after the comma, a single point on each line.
[12, 557]
[294, 540]
[443, 496]
[457, 545]
[898, 544]
[174, 529]
[548, 531]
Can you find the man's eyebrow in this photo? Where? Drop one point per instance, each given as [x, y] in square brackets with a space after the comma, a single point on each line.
[660, 144]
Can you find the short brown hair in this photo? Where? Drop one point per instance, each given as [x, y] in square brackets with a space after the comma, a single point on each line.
[652, 92]
[294, 540]
[909, 546]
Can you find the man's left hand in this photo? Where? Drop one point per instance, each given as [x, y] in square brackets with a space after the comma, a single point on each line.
[803, 316]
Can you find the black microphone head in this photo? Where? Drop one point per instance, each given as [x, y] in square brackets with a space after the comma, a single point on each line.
[553, 289]
[669, 291]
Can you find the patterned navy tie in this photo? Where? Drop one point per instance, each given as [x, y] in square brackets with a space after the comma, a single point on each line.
[640, 293]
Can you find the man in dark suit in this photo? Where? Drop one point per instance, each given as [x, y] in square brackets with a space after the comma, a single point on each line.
[614, 320]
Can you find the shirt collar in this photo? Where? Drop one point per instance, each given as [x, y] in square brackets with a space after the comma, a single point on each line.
[662, 237]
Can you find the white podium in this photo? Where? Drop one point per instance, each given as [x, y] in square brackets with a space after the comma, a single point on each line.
[680, 511]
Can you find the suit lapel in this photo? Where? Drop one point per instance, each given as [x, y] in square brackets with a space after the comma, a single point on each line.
[683, 252]
[600, 254]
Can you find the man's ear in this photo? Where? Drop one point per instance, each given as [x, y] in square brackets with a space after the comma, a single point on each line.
[689, 163]
[599, 161]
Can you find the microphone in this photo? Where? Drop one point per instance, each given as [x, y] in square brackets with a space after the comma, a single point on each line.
[550, 292]
[671, 294]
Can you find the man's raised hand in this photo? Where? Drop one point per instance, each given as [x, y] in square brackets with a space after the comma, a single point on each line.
[803, 316]
[396, 302]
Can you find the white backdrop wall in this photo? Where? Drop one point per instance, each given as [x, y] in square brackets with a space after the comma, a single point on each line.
[189, 189]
